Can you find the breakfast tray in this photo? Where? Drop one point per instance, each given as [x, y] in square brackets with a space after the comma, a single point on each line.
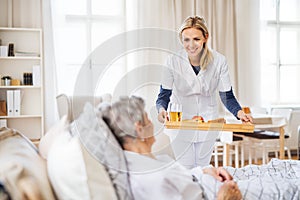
[204, 126]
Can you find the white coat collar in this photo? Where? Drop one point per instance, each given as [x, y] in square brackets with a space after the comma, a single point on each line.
[183, 54]
[187, 65]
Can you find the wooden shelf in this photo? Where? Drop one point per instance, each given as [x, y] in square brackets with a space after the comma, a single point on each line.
[20, 58]
[21, 116]
[20, 87]
[28, 52]
[20, 29]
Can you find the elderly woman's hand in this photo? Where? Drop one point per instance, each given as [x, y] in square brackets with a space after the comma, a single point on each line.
[229, 190]
[219, 173]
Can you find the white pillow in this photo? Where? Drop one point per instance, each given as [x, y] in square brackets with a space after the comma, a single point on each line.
[48, 139]
[74, 174]
[66, 168]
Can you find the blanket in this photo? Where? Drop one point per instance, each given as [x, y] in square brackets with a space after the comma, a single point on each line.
[279, 179]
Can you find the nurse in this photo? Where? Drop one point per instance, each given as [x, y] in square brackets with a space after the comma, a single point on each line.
[192, 77]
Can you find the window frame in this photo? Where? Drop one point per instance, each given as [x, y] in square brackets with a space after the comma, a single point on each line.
[277, 24]
[88, 18]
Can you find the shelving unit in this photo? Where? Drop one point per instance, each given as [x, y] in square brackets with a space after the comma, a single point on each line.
[31, 120]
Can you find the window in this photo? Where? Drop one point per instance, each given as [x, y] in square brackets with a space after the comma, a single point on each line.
[280, 51]
[79, 27]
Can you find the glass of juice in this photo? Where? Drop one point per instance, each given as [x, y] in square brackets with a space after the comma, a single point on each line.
[175, 112]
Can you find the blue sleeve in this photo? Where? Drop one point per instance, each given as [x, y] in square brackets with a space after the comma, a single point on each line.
[230, 102]
[163, 98]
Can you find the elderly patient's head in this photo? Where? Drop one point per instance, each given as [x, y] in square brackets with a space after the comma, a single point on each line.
[130, 124]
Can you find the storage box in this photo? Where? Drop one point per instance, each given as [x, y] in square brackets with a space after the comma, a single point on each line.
[15, 82]
[3, 51]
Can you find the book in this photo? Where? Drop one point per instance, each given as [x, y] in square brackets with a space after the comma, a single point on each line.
[3, 51]
[36, 75]
[10, 102]
[26, 54]
[17, 102]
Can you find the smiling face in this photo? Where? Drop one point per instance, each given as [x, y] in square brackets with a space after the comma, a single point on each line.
[193, 40]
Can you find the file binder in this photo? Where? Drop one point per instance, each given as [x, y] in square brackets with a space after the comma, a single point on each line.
[3, 51]
[36, 75]
[10, 102]
[17, 102]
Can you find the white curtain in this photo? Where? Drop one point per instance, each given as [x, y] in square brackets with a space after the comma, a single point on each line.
[50, 89]
[26, 13]
[248, 52]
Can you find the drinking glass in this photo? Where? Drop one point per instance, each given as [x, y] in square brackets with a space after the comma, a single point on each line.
[175, 112]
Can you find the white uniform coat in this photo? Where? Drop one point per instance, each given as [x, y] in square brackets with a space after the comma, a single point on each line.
[196, 93]
[161, 179]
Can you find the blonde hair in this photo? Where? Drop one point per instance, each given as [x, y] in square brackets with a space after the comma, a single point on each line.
[198, 23]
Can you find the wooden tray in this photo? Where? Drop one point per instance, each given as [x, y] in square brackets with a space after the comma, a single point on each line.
[192, 125]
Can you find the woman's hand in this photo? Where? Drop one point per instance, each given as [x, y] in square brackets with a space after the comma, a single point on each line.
[244, 117]
[219, 173]
[162, 115]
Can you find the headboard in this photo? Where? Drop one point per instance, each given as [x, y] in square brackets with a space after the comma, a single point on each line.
[72, 106]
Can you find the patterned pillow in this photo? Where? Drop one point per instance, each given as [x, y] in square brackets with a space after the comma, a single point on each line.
[97, 138]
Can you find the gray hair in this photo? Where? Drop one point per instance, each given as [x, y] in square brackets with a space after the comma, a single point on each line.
[122, 115]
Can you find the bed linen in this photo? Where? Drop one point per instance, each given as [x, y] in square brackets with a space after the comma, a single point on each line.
[279, 179]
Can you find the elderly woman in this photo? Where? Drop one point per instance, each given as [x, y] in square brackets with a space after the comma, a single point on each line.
[158, 177]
